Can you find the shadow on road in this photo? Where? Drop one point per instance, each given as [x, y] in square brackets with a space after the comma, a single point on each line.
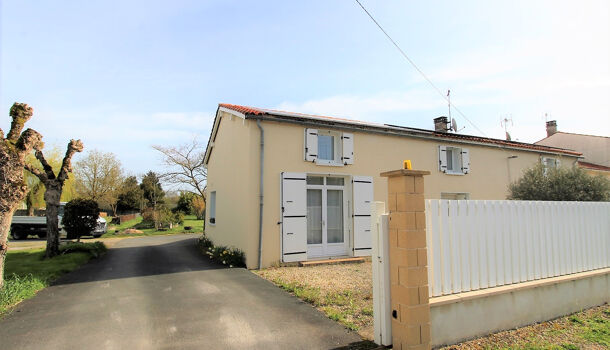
[145, 258]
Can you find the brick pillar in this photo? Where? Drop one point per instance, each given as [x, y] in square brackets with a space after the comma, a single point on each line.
[408, 260]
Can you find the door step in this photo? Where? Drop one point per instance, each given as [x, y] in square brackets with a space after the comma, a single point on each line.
[332, 262]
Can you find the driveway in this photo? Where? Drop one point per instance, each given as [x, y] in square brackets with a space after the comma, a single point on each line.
[160, 293]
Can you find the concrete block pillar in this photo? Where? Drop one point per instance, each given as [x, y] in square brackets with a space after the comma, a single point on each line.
[408, 260]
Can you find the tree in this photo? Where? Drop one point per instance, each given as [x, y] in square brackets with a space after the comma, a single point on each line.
[99, 177]
[560, 184]
[199, 207]
[151, 189]
[53, 187]
[185, 203]
[185, 166]
[35, 197]
[13, 151]
[80, 217]
[130, 197]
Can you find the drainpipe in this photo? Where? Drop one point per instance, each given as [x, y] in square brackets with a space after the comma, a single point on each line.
[261, 188]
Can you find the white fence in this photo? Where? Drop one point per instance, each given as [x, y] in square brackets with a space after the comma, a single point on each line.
[481, 244]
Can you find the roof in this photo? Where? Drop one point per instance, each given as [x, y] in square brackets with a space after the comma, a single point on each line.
[593, 166]
[261, 113]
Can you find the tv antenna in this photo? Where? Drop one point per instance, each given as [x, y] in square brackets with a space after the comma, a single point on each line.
[504, 123]
[449, 103]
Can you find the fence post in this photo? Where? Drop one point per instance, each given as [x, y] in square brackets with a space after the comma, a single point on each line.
[408, 259]
[382, 312]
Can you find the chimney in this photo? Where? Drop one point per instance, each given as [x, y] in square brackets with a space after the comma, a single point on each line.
[551, 127]
[440, 124]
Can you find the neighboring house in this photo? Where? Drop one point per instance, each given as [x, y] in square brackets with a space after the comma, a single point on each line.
[595, 149]
[320, 174]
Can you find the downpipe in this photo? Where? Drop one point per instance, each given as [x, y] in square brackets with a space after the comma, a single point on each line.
[261, 188]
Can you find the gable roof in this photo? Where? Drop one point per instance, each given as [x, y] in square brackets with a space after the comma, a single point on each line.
[248, 112]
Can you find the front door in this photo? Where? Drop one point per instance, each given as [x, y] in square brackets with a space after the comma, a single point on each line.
[326, 216]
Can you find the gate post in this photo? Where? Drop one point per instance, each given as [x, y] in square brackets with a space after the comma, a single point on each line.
[408, 259]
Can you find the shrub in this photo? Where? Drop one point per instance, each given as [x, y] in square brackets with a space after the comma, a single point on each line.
[185, 203]
[560, 184]
[80, 217]
[231, 257]
[199, 207]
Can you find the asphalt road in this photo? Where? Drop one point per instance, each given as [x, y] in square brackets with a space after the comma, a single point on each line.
[160, 293]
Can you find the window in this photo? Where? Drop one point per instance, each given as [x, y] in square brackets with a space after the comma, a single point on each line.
[454, 160]
[328, 147]
[455, 195]
[549, 163]
[213, 207]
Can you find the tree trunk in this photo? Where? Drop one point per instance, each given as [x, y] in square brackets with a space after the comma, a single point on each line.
[52, 195]
[5, 224]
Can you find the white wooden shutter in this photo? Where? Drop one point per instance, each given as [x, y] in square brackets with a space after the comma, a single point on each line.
[465, 161]
[363, 199]
[348, 148]
[294, 217]
[311, 145]
[442, 158]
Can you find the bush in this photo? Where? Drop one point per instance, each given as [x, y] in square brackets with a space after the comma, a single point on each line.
[231, 257]
[96, 249]
[162, 218]
[198, 204]
[560, 184]
[80, 217]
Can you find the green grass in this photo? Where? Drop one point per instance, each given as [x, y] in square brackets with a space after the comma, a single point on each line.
[189, 220]
[26, 271]
[338, 306]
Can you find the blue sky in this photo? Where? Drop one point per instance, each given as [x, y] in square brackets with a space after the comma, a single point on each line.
[124, 75]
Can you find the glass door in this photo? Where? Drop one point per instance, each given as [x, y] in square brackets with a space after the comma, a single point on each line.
[325, 217]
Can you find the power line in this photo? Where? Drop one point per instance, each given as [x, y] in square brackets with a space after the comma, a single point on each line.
[417, 68]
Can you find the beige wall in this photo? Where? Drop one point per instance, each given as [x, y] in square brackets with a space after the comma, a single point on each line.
[233, 173]
[235, 170]
[595, 149]
[493, 312]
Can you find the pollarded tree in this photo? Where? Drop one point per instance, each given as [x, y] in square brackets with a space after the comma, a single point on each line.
[53, 187]
[561, 184]
[13, 151]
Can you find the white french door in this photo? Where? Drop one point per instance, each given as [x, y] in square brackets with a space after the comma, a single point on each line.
[326, 217]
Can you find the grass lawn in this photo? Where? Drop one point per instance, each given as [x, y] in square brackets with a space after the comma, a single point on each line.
[344, 293]
[189, 220]
[26, 272]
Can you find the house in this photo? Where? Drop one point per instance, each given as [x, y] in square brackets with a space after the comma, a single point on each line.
[595, 149]
[287, 187]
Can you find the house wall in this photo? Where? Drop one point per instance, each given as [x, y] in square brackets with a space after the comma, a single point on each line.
[233, 172]
[595, 149]
[490, 169]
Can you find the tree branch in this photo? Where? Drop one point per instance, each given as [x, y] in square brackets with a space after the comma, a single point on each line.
[29, 139]
[48, 169]
[66, 166]
[21, 113]
[39, 174]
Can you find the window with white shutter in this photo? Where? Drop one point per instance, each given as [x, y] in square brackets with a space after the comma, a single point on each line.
[453, 160]
[294, 217]
[348, 148]
[363, 199]
[328, 147]
[311, 145]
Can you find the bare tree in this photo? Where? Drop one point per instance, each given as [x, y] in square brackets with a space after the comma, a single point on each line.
[53, 188]
[99, 177]
[185, 166]
[13, 151]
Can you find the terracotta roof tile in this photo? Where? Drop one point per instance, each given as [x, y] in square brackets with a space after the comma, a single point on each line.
[593, 166]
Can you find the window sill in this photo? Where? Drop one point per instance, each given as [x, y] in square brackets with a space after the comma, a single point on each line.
[454, 173]
[328, 164]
